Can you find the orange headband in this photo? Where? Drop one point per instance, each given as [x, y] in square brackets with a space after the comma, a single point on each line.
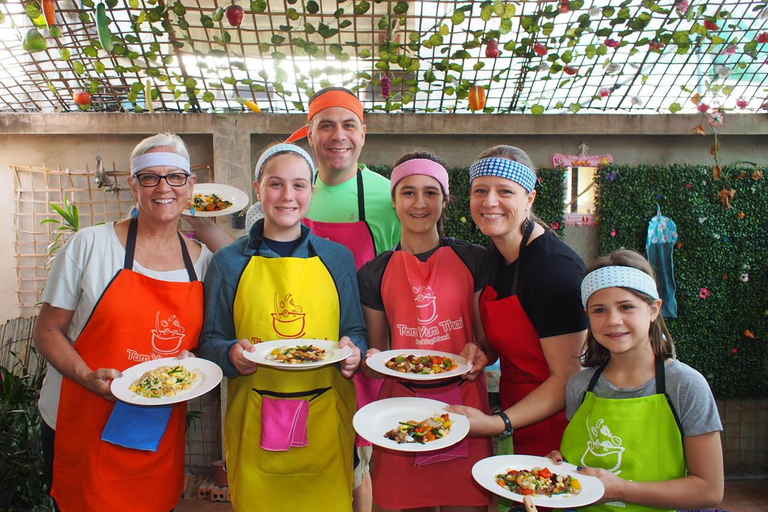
[326, 100]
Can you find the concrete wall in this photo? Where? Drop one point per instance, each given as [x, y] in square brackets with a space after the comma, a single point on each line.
[232, 142]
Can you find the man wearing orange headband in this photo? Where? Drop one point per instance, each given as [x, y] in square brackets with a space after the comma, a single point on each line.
[351, 205]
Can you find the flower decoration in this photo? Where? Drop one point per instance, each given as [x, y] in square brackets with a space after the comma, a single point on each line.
[700, 130]
[744, 277]
[613, 232]
[656, 45]
[742, 215]
[463, 220]
[704, 293]
[679, 245]
[689, 186]
[726, 196]
[716, 118]
[742, 103]
[749, 334]
[710, 25]
[682, 6]
[734, 350]
[554, 225]
[611, 175]
[703, 107]
[762, 37]
[612, 43]
[725, 276]
[540, 49]
[564, 6]
[605, 92]
[729, 50]
[757, 175]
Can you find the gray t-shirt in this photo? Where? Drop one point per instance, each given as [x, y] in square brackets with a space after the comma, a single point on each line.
[687, 389]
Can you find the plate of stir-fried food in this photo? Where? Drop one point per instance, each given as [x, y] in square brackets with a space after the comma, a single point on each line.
[418, 364]
[166, 381]
[410, 424]
[216, 199]
[546, 483]
[298, 354]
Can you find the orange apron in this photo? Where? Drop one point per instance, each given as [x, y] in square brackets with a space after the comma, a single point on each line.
[132, 322]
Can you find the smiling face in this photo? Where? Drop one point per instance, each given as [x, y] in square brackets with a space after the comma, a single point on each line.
[419, 202]
[285, 191]
[499, 206]
[161, 203]
[620, 320]
[336, 136]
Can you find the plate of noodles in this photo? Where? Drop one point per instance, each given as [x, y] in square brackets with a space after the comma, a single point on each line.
[215, 200]
[166, 381]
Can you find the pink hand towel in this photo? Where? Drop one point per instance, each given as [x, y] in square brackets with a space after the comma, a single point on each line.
[451, 395]
[284, 424]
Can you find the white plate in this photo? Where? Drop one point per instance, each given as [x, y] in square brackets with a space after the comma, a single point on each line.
[378, 362]
[333, 353]
[485, 471]
[238, 198]
[208, 376]
[381, 416]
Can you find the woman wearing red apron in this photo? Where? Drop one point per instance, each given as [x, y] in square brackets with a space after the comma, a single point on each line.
[423, 295]
[108, 288]
[531, 310]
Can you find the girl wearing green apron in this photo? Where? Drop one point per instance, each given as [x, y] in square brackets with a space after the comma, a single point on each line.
[642, 422]
[288, 434]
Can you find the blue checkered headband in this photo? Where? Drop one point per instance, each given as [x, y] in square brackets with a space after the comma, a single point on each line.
[159, 159]
[283, 148]
[623, 277]
[504, 168]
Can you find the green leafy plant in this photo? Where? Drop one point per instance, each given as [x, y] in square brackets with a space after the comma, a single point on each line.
[22, 486]
[719, 262]
[68, 224]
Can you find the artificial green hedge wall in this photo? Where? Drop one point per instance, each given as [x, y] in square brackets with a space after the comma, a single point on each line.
[549, 205]
[720, 268]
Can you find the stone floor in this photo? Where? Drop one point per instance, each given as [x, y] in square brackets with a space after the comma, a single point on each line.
[740, 496]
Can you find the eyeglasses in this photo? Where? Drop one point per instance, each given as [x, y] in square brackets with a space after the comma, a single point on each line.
[150, 179]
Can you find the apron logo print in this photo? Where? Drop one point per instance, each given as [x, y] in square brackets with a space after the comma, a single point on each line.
[288, 320]
[167, 335]
[139, 357]
[603, 444]
[426, 307]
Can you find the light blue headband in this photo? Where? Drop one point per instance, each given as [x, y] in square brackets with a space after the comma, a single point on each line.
[283, 148]
[159, 158]
[624, 277]
[504, 168]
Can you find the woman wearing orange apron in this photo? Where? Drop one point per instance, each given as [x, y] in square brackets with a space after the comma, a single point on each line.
[423, 295]
[288, 434]
[531, 311]
[108, 288]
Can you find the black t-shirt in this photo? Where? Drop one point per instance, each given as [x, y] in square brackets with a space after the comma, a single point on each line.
[370, 277]
[549, 285]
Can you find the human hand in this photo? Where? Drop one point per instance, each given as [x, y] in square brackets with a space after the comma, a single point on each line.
[613, 484]
[243, 365]
[99, 382]
[480, 424]
[369, 372]
[476, 358]
[556, 457]
[350, 364]
[185, 354]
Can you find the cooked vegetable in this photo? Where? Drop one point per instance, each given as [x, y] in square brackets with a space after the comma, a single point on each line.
[297, 355]
[422, 365]
[164, 381]
[102, 27]
[538, 482]
[209, 203]
[436, 427]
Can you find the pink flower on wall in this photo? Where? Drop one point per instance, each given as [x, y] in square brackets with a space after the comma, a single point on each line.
[704, 293]
[742, 103]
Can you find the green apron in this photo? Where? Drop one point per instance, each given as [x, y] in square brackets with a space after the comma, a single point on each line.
[638, 439]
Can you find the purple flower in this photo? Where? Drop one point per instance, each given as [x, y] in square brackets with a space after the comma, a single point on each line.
[611, 175]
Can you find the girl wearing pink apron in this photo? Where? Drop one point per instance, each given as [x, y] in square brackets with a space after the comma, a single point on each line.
[423, 295]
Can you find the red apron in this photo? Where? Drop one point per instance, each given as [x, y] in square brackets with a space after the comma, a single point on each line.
[358, 238]
[90, 474]
[430, 305]
[523, 365]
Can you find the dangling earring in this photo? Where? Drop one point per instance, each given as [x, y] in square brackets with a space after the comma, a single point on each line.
[524, 226]
[135, 213]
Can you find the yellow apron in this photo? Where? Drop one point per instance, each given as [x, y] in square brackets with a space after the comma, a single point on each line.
[290, 298]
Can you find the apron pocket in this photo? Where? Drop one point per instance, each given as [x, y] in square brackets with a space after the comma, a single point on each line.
[322, 453]
[284, 424]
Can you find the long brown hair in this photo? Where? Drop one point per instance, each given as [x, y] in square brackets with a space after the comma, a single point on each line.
[413, 155]
[661, 341]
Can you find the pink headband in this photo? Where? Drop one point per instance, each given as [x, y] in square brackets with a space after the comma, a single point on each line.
[421, 167]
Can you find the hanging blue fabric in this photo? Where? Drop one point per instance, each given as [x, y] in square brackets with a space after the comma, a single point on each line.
[659, 246]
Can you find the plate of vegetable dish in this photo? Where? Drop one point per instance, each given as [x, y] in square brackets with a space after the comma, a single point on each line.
[166, 381]
[548, 484]
[418, 364]
[409, 424]
[300, 354]
[216, 199]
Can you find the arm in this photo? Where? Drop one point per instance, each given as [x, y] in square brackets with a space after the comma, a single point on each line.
[51, 340]
[378, 336]
[209, 233]
[702, 488]
[480, 353]
[352, 329]
[562, 355]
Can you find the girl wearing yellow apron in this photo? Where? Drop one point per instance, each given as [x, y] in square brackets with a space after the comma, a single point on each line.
[288, 434]
[640, 420]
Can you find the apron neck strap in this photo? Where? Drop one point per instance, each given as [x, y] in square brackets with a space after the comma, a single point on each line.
[527, 230]
[130, 251]
[661, 387]
[360, 197]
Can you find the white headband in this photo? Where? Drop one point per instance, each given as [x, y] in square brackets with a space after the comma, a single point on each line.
[159, 158]
[283, 148]
[624, 277]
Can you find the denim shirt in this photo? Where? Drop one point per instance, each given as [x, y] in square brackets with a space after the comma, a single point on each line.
[228, 265]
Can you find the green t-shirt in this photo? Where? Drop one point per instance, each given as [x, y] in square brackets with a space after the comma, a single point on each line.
[338, 203]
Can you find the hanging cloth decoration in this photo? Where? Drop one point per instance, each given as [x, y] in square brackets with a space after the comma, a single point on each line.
[662, 236]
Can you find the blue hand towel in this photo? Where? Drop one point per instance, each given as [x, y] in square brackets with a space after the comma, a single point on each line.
[136, 426]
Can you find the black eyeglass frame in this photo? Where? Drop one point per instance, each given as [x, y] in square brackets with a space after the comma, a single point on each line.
[157, 177]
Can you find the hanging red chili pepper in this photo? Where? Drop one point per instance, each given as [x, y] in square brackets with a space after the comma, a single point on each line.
[49, 8]
[476, 98]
